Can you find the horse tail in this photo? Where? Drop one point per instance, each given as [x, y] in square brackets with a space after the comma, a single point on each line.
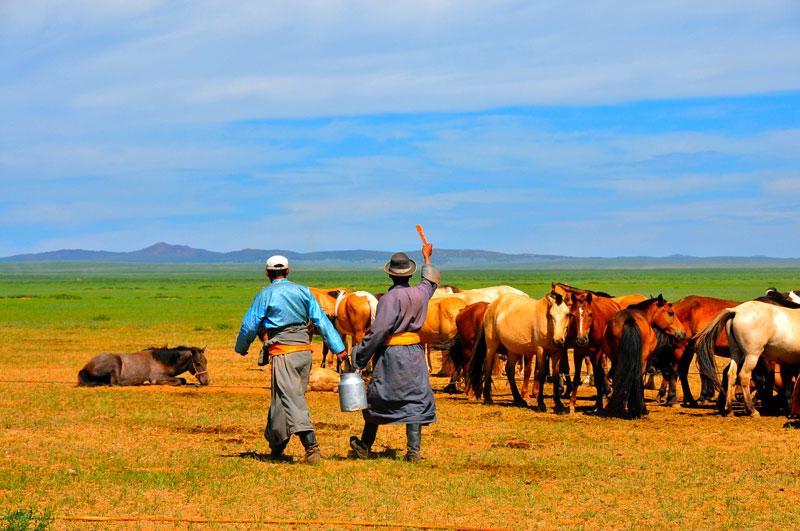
[704, 346]
[475, 381]
[452, 355]
[628, 387]
[795, 412]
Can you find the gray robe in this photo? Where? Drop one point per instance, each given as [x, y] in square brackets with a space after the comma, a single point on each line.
[399, 391]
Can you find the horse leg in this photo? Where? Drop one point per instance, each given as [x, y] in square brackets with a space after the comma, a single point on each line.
[662, 389]
[672, 394]
[511, 364]
[577, 362]
[540, 378]
[565, 371]
[527, 368]
[325, 354]
[749, 364]
[599, 380]
[428, 358]
[488, 367]
[730, 374]
[684, 363]
[557, 357]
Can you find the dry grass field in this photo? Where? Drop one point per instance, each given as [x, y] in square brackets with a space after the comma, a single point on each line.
[199, 452]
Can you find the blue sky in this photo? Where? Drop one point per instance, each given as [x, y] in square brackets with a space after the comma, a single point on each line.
[580, 128]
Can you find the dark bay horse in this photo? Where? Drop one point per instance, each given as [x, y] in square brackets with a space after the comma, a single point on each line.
[629, 342]
[154, 366]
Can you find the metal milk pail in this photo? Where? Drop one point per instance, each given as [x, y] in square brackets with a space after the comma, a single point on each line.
[352, 392]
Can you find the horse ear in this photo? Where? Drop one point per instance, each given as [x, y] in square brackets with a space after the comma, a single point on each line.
[660, 300]
[589, 297]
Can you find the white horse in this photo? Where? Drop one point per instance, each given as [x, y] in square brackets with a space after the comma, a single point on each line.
[754, 329]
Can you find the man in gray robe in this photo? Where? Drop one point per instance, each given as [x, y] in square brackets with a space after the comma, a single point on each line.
[399, 391]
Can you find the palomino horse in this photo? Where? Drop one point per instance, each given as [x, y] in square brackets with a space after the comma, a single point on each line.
[601, 309]
[629, 342]
[151, 366]
[525, 328]
[354, 314]
[326, 298]
[754, 329]
[456, 359]
[626, 301]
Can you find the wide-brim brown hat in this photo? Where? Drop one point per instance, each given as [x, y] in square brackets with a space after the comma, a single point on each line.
[400, 265]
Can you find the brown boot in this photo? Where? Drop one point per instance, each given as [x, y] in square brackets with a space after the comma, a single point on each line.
[309, 441]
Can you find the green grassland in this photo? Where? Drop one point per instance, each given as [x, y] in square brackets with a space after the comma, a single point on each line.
[199, 452]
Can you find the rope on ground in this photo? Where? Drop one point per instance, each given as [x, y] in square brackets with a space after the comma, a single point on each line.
[284, 521]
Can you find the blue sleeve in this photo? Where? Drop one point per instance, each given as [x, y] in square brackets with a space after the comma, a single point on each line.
[323, 324]
[249, 329]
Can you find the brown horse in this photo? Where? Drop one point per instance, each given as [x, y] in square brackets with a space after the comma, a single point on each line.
[151, 366]
[602, 308]
[354, 313]
[326, 298]
[629, 342]
[456, 359]
[524, 327]
[626, 301]
[439, 328]
[694, 312]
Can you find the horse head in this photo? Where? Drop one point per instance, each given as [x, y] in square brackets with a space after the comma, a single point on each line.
[665, 320]
[581, 312]
[199, 365]
[558, 312]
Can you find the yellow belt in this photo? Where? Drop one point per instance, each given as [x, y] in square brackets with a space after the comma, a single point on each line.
[403, 338]
[278, 349]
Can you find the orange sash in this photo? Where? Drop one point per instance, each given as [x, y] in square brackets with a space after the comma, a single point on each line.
[278, 349]
[403, 338]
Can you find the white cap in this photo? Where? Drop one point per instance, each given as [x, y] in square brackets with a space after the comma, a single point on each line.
[277, 262]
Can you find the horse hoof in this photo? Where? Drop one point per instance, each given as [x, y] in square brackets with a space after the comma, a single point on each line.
[675, 405]
[450, 388]
[520, 403]
[488, 401]
[755, 414]
[561, 410]
[725, 412]
[541, 408]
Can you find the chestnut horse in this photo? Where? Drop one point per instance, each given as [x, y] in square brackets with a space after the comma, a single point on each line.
[629, 342]
[354, 313]
[326, 298]
[456, 359]
[694, 312]
[602, 308]
[151, 366]
[524, 327]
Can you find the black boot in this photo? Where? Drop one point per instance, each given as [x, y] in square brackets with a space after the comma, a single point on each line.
[363, 446]
[413, 442]
[276, 452]
[309, 441]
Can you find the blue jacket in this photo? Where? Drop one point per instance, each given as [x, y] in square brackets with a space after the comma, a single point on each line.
[281, 304]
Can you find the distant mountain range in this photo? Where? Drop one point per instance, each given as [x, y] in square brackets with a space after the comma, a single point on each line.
[162, 253]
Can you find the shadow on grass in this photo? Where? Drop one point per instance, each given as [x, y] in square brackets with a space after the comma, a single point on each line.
[386, 453]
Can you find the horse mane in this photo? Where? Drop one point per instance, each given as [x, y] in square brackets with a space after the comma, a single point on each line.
[643, 305]
[452, 288]
[574, 289]
[781, 299]
[168, 356]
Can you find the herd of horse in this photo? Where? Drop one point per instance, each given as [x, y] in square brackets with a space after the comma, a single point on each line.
[479, 329]
[618, 338]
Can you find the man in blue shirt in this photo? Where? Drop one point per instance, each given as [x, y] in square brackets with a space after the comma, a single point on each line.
[284, 309]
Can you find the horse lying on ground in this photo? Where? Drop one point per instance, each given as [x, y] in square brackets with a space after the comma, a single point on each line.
[151, 366]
